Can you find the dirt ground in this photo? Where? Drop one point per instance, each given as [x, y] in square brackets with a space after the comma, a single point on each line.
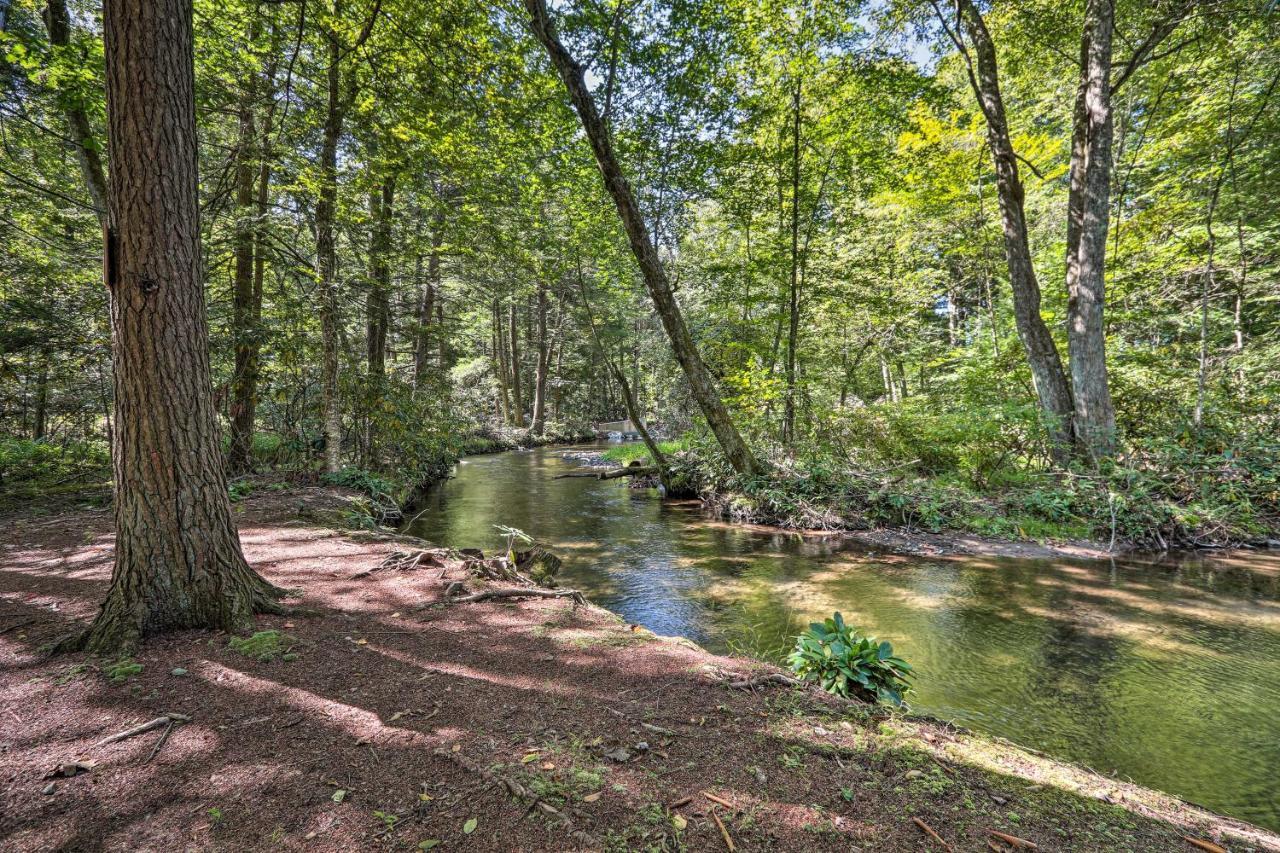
[394, 722]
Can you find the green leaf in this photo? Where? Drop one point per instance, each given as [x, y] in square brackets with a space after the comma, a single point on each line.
[470, 826]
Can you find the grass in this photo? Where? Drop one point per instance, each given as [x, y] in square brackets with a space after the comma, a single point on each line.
[623, 454]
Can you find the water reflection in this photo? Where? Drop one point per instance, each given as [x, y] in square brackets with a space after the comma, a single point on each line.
[1165, 671]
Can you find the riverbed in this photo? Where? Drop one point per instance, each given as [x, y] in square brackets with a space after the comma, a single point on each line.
[1163, 671]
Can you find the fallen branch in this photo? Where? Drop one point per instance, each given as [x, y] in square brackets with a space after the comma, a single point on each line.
[1015, 841]
[713, 798]
[724, 833]
[509, 593]
[164, 737]
[928, 830]
[630, 471]
[16, 626]
[405, 561]
[167, 720]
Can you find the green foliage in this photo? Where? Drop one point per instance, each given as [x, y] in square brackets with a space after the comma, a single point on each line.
[846, 663]
[264, 645]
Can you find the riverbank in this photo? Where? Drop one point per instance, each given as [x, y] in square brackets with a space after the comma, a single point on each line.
[397, 721]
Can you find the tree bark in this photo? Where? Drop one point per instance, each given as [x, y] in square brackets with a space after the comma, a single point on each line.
[1088, 213]
[1042, 353]
[327, 256]
[543, 363]
[178, 562]
[686, 352]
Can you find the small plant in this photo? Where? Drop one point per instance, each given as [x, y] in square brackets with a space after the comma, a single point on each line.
[122, 670]
[264, 645]
[849, 664]
[215, 815]
[389, 819]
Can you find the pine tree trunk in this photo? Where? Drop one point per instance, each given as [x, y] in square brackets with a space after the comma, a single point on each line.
[686, 352]
[178, 562]
[378, 311]
[1088, 213]
[1042, 353]
[426, 304]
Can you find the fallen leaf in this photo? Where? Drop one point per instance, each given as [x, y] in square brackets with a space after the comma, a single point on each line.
[678, 821]
[457, 747]
[426, 798]
[591, 798]
[470, 826]
[362, 642]
[429, 843]
[533, 756]
[339, 795]
[547, 765]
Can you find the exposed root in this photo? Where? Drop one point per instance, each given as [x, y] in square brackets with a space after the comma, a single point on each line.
[407, 561]
[169, 719]
[752, 682]
[451, 597]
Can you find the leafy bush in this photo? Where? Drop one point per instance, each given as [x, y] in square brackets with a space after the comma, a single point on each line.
[849, 664]
[23, 460]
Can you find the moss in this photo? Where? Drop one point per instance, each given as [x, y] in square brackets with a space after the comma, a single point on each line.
[264, 646]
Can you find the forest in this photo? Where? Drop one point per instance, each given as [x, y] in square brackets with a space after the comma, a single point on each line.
[966, 278]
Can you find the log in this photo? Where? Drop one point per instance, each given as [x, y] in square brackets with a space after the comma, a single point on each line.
[512, 592]
[630, 471]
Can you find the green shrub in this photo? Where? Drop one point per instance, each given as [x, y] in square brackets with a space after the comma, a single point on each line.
[846, 663]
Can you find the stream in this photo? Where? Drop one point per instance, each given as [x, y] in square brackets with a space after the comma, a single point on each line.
[1165, 671]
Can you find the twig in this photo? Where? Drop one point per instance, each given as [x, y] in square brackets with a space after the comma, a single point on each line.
[168, 719]
[1204, 845]
[1014, 841]
[160, 742]
[724, 833]
[928, 830]
[683, 801]
[16, 626]
[713, 798]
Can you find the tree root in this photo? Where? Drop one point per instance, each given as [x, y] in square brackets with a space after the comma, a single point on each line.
[169, 719]
[406, 561]
[516, 789]
[451, 597]
[752, 682]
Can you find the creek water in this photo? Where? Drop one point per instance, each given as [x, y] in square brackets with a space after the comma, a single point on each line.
[1165, 671]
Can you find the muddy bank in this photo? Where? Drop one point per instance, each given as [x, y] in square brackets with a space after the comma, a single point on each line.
[498, 725]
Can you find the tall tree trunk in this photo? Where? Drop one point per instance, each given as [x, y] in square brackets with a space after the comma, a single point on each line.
[1088, 212]
[40, 421]
[426, 303]
[377, 311]
[1042, 353]
[243, 384]
[501, 369]
[686, 352]
[58, 22]
[793, 313]
[517, 398]
[327, 256]
[178, 562]
[544, 361]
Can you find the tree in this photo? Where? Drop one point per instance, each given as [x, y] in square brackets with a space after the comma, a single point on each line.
[1042, 353]
[701, 383]
[178, 562]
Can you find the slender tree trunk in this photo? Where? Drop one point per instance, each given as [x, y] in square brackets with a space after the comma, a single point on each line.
[517, 398]
[426, 302]
[793, 314]
[58, 22]
[243, 384]
[1088, 213]
[39, 426]
[327, 257]
[377, 312]
[500, 364]
[178, 562]
[1042, 353]
[700, 380]
[544, 362]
